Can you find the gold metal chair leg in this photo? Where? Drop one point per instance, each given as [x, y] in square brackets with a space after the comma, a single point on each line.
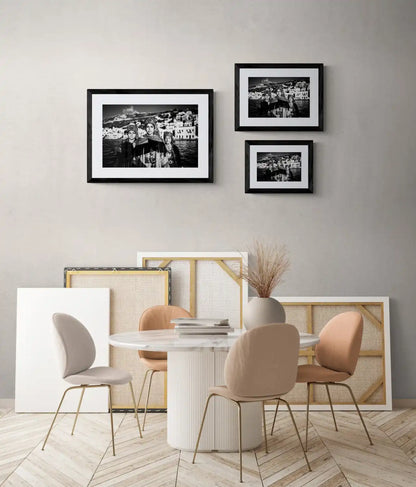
[148, 395]
[136, 415]
[240, 441]
[332, 408]
[56, 414]
[264, 428]
[274, 419]
[297, 432]
[202, 425]
[79, 406]
[358, 410]
[307, 416]
[111, 418]
[141, 390]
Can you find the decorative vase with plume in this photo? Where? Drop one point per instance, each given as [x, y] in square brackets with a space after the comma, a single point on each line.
[263, 275]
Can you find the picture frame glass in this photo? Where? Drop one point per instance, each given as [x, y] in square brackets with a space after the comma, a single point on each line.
[150, 136]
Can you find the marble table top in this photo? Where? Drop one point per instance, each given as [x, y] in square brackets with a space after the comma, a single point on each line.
[169, 341]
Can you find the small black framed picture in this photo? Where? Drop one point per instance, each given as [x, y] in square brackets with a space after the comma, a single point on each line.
[279, 97]
[150, 136]
[279, 166]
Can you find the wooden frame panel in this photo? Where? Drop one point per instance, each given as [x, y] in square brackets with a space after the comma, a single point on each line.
[132, 290]
[371, 381]
[188, 269]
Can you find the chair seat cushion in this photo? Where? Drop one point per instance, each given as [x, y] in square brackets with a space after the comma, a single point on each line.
[317, 373]
[152, 364]
[225, 392]
[100, 375]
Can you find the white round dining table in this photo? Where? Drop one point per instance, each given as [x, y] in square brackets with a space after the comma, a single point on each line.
[196, 363]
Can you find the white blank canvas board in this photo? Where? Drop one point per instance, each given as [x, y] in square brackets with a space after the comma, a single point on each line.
[39, 385]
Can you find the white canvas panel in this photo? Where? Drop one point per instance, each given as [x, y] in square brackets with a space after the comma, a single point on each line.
[39, 385]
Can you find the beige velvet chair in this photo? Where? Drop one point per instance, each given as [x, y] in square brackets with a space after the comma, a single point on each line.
[260, 366]
[337, 355]
[77, 354]
[156, 318]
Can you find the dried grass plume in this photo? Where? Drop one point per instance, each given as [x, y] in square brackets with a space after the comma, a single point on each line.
[271, 262]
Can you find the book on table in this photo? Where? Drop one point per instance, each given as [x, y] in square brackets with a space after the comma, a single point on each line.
[202, 326]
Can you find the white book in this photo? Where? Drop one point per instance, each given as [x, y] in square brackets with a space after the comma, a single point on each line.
[200, 322]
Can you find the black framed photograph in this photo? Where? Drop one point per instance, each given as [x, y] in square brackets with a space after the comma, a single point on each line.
[150, 135]
[279, 97]
[279, 166]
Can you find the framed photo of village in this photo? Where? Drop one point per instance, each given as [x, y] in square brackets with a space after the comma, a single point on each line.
[279, 166]
[279, 97]
[150, 135]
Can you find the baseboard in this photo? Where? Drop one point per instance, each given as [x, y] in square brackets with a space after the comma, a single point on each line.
[404, 403]
[7, 403]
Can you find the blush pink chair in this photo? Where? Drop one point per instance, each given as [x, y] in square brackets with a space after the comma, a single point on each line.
[156, 318]
[337, 355]
[260, 366]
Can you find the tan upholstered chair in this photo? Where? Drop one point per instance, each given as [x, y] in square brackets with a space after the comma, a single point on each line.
[337, 356]
[156, 318]
[260, 366]
[77, 354]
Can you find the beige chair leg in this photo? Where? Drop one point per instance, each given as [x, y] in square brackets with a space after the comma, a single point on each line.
[297, 432]
[332, 408]
[264, 428]
[148, 395]
[141, 390]
[56, 414]
[274, 419]
[240, 441]
[136, 415]
[79, 407]
[358, 410]
[307, 415]
[202, 425]
[111, 418]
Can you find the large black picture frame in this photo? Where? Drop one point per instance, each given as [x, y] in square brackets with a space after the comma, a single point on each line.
[277, 157]
[263, 92]
[110, 111]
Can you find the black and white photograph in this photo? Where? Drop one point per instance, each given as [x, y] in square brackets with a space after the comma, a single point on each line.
[278, 97]
[279, 166]
[150, 136]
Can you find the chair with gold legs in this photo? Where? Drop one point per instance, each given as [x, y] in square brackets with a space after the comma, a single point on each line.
[77, 354]
[156, 318]
[337, 355]
[260, 366]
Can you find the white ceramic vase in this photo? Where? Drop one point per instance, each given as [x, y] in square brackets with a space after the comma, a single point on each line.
[261, 311]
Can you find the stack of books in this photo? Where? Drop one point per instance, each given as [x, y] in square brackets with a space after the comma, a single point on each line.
[202, 326]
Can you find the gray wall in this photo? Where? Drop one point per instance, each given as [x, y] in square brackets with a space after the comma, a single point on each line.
[354, 236]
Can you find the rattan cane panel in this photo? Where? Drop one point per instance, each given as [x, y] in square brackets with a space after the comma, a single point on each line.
[130, 295]
[297, 316]
[368, 381]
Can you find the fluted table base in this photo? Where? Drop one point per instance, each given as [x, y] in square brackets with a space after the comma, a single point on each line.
[190, 375]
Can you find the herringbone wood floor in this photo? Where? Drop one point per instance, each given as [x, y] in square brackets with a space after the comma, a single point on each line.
[338, 459]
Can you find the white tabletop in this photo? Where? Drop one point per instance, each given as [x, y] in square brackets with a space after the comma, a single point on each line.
[169, 341]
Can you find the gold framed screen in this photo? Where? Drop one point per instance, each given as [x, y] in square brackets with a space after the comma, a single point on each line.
[132, 290]
[371, 381]
[208, 284]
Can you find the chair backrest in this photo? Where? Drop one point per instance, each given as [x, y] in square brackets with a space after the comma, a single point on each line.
[75, 344]
[263, 361]
[159, 318]
[340, 342]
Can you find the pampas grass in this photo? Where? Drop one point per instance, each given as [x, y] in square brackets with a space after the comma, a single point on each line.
[271, 262]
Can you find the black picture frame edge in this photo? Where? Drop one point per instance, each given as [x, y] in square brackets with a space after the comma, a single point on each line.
[249, 143]
[171, 91]
[250, 128]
